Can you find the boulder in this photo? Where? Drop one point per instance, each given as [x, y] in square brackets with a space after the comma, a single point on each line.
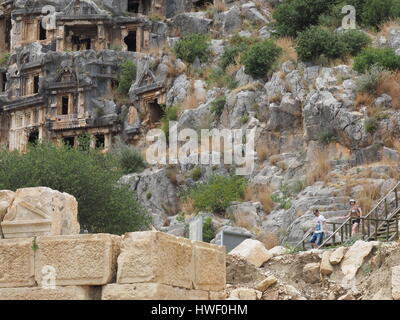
[266, 283]
[278, 251]
[245, 294]
[192, 22]
[248, 213]
[253, 251]
[156, 192]
[396, 283]
[39, 211]
[354, 258]
[326, 267]
[311, 273]
[230, 20]
[337, 255]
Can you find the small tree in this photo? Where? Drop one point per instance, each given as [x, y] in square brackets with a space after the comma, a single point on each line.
[126, 76]
[191, 46]
[259, 58]
[217, 193]
[91, 177]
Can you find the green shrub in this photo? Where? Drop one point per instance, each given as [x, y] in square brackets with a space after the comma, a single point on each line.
[91, 177]
[170, 114]
[126, 76]
[381, 57]
[217, 193]
[195, 174]
[237, 45]
[294, 16]
[220, 79]
[217, 106]
[354, 41]
[371, 125]
[4, 59]
[332, 18]
[208, 231]
[327, 136]
[84, 142]
[130, 160]
[260, 57]
[191, 46]
[283, 197]
[376, 12]
[369, 81]
[316, 42]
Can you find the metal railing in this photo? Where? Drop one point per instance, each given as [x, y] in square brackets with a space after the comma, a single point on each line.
[381, 214]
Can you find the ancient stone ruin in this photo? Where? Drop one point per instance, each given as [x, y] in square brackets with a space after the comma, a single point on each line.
[43, 257]
[63, 57]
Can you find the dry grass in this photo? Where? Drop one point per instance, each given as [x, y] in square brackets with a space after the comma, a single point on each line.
[318, 168]
[363, 100]
[171, 174]
[390, 84]
[274, 159]
[243, 221]
[187, 206]
[220, 5]
[367, 197]
[269, 239]
[248, 87]
[384, 28]
[288, 49]
[275, 99]
[261, 193]
[191, 101]
[262, 152]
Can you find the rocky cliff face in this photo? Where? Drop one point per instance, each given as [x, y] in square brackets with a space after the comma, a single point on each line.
[313, 145]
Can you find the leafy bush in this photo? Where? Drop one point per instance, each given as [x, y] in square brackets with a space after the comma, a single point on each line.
[316, 42]
[376, 12]
[104, 205]
[327, 136]
[217, 106]
[217, 193]
[208, 231]
[126, 76]
[195, 174]
[191, 46]
[130, 160]
[219, 78]
[260, 57]
[371, 125]
[368, 82]
[237, 45]
[283, 198]
[4, 59]
[384, 58]
[355, 41]
[294, 16]
[171, 114]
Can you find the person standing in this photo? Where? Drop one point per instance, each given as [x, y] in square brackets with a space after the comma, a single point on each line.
[318, 233]
[355, 213]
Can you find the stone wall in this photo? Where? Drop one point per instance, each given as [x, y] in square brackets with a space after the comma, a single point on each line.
[139, 265]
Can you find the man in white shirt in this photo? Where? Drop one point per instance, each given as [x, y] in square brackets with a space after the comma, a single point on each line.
[318, 235]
